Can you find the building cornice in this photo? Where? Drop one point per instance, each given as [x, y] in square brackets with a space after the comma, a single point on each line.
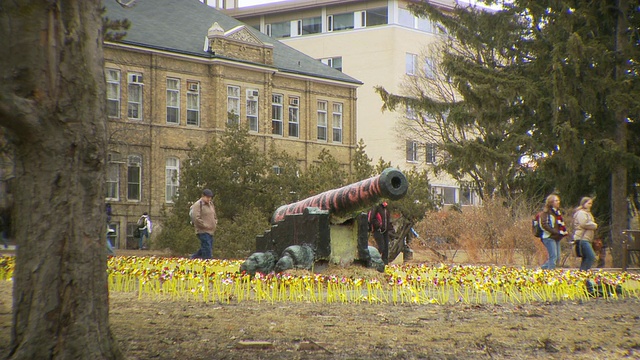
[229, 62]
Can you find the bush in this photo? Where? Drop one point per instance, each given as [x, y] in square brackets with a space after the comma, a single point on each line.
[496, 232]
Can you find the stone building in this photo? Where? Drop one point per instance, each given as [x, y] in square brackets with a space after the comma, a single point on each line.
[379, 42]
[181, 74]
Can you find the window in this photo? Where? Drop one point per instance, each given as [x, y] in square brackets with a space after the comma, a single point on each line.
[113, 176]
[334, 62]
[322, 120]
[430, 153]
[377, 16]
[276, 114]
[359, 19]
[134, 106]
[412, 151]
[410, 112]
[446, 194]
[343, 21]
[173, 101]
[337, 122]
[113, 93]
[252, 109]
[281, 29]
[233, 105]
[466, 196]
[296, 28]
[406, 18]
[411, 61]
[429, 68]
[425, 25]
[277, 169]
[312, 25]
[172, 178]
[193, 103]
[294, 116]
[134, 177]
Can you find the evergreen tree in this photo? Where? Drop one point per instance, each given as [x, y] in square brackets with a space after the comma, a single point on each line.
[551, 82]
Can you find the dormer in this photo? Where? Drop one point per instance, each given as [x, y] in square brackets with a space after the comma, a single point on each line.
[238, 43]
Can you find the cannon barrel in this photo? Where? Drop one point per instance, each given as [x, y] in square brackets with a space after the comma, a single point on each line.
[391, 184]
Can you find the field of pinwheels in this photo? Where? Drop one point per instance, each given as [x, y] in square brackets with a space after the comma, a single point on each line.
[181, 308]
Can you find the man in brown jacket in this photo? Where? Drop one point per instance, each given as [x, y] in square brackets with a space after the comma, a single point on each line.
[204, 219]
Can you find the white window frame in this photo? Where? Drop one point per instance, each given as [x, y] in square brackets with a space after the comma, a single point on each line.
[322, 120]
[113, 177]
[411, 61]
[294, 116]
[134, 162]
[252, 105]
[359, 19]
[193, 103]
[233, 104]
[172, 178]
[412, 151]
[337, 122]
[113, 93]
[296, 28]
[277, 114]
[134, 83]
[431, 151]
[173, 100]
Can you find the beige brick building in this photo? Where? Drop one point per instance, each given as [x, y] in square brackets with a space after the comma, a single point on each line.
[379, 42]
[182, 73]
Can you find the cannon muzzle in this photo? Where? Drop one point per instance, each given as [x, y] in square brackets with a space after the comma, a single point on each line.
[390, 184]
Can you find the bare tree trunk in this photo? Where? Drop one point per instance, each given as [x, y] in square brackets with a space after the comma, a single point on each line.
[619, 206]
[52, 101]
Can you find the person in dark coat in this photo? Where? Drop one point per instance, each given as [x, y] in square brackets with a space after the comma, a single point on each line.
[381, 225]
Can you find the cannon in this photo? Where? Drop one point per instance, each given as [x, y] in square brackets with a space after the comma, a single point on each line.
[390, 184]
[331, 224]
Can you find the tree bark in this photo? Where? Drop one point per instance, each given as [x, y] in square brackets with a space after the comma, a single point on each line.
[619, 205]
[52, 102]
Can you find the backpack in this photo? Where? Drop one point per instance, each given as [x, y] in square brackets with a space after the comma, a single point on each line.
[536, 228]
[136, 233]
[142, 222]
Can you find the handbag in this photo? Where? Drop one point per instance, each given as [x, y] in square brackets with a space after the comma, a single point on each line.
[578, 248]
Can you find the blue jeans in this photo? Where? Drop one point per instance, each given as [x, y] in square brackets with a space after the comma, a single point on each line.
[206, 247]
[143, 233]
[553, 249]
[588, 255]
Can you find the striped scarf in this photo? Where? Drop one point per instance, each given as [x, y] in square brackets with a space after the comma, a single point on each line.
[562, 228]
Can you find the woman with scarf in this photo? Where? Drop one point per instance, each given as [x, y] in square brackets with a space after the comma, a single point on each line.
[585, 227]
[553, 230]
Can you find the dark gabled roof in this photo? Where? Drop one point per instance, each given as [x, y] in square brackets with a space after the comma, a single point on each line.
[181, 26]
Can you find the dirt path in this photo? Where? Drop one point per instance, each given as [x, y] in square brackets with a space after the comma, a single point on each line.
[162, 329]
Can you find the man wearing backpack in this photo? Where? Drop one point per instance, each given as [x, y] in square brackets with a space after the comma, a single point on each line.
[204, 219]
[144, 227]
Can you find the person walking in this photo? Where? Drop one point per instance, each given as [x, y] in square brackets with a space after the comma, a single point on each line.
[144, 226]
[553, 230]
[584, 226]
[204, 219]
[381, 224]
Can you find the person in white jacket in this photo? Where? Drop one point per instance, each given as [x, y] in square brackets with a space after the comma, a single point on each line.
[584, 229]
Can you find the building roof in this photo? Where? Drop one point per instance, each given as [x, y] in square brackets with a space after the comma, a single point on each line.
[181, 26]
